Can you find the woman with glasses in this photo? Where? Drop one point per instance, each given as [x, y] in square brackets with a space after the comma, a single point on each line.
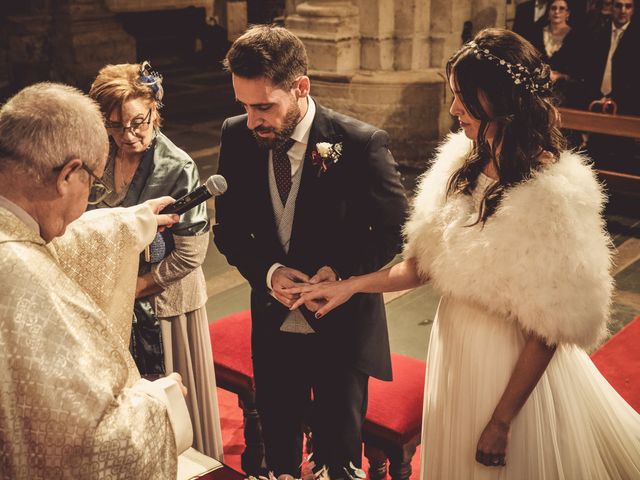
[562, 47]
[170, 331]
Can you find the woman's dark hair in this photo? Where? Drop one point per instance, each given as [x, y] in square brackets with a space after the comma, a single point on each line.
[524, 112]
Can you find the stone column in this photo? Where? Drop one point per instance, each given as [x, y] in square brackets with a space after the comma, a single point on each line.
[377, 41]
[447, 20]
[330, 30]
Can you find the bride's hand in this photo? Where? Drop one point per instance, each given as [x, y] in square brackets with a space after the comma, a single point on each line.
[333, 294]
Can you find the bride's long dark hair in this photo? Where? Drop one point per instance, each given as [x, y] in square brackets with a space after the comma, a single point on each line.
[522, 107]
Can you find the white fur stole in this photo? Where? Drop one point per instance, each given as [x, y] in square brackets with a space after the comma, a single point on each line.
[542, 259]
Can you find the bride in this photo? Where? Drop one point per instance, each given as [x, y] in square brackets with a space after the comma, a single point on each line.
[507, 226]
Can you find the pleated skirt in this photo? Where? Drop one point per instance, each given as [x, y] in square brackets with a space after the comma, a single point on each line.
[573, 426]
[187, 350]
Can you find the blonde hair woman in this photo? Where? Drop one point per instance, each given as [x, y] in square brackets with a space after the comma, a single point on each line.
[143, 163]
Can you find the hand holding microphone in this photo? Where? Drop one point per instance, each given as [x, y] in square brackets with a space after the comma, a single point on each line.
[215, 185]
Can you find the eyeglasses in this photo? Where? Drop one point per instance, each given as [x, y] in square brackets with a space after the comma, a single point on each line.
[134, 127]
[98, 190]
[557, 8]
[620, 5]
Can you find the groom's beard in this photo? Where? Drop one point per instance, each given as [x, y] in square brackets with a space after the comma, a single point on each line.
[289, 123]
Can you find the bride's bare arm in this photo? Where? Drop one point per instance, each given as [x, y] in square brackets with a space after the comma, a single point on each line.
[531, 364]
[401, 276]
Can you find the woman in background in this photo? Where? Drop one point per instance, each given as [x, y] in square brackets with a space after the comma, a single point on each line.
[562, 47]
[143, 163]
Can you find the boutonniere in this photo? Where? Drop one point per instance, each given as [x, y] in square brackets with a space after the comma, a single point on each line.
[326, 154]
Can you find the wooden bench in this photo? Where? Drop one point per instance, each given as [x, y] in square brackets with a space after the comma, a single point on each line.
[393, 424]
[618, 125]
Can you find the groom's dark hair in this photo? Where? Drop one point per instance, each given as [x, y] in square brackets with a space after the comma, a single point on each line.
[267, 51]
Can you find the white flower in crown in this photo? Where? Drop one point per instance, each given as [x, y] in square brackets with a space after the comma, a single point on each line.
[326, 154]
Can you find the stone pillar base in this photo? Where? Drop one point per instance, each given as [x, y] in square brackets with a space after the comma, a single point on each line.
[407, 104]
[331, 35]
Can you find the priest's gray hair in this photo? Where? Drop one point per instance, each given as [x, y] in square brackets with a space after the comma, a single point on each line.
[48, 124]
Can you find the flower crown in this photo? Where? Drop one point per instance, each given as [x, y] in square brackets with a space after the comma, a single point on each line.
[532, 82]
[153, 80]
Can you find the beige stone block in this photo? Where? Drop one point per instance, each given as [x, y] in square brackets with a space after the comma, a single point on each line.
[333, 56]
[376, 17]
[236, 19]
[329, 28]
[376, 53]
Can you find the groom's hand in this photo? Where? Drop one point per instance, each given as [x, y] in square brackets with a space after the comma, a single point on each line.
[283, 278]
[324, 274]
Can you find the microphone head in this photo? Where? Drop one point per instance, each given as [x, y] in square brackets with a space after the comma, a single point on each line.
[216, 185]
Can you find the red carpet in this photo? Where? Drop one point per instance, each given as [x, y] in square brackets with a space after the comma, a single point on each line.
[233, 439]
[619, 362]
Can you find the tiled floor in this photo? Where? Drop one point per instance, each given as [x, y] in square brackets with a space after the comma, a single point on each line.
[193, 121]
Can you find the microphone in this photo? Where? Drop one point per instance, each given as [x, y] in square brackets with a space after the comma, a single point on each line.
[215, 185]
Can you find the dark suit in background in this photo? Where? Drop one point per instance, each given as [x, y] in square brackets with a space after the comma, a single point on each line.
[625, 75]
[523, 23]
[613, 152]
[349, 218]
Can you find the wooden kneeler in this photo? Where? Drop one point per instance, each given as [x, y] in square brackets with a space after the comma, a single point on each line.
[231, 347]
[392, 427]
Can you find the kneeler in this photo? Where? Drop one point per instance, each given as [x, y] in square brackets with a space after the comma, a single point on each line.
[392, 427]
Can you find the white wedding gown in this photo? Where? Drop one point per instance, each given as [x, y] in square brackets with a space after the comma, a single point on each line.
[573, 426]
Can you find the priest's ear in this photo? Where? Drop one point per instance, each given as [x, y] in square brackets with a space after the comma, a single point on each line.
[302, 86]
[66, 174]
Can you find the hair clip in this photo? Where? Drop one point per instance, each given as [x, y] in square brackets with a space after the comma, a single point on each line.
[153, 80]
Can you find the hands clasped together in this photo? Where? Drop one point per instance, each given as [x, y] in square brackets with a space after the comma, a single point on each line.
[320, 293]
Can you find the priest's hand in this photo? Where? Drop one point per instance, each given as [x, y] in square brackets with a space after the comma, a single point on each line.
[164, 220]
[178, 378]
[284, 278]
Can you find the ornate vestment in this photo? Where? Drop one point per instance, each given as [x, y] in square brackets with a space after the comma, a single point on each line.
[542, 259]
[72, 404]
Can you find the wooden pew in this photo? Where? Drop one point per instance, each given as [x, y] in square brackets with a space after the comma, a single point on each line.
[619, 125]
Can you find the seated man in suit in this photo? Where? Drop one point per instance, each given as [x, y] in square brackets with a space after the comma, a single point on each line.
[611, 72]
[313, 195]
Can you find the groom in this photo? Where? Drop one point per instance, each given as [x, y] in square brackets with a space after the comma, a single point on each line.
[313, 196]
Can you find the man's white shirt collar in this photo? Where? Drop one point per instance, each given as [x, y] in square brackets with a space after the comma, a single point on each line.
[303, 129]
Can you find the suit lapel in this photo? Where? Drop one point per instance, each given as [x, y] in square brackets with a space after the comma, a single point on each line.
[261, 203]
[321, 131]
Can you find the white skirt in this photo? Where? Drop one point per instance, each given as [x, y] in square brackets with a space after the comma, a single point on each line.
[573, 426]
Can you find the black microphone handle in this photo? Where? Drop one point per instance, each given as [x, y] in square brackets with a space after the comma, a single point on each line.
[189, 201]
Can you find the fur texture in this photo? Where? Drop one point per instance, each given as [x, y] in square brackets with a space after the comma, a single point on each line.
[542, 259]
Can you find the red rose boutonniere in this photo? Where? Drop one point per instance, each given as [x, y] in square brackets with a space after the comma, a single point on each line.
[326, 154]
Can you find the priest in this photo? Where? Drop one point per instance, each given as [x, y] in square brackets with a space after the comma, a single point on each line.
[72, 404]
